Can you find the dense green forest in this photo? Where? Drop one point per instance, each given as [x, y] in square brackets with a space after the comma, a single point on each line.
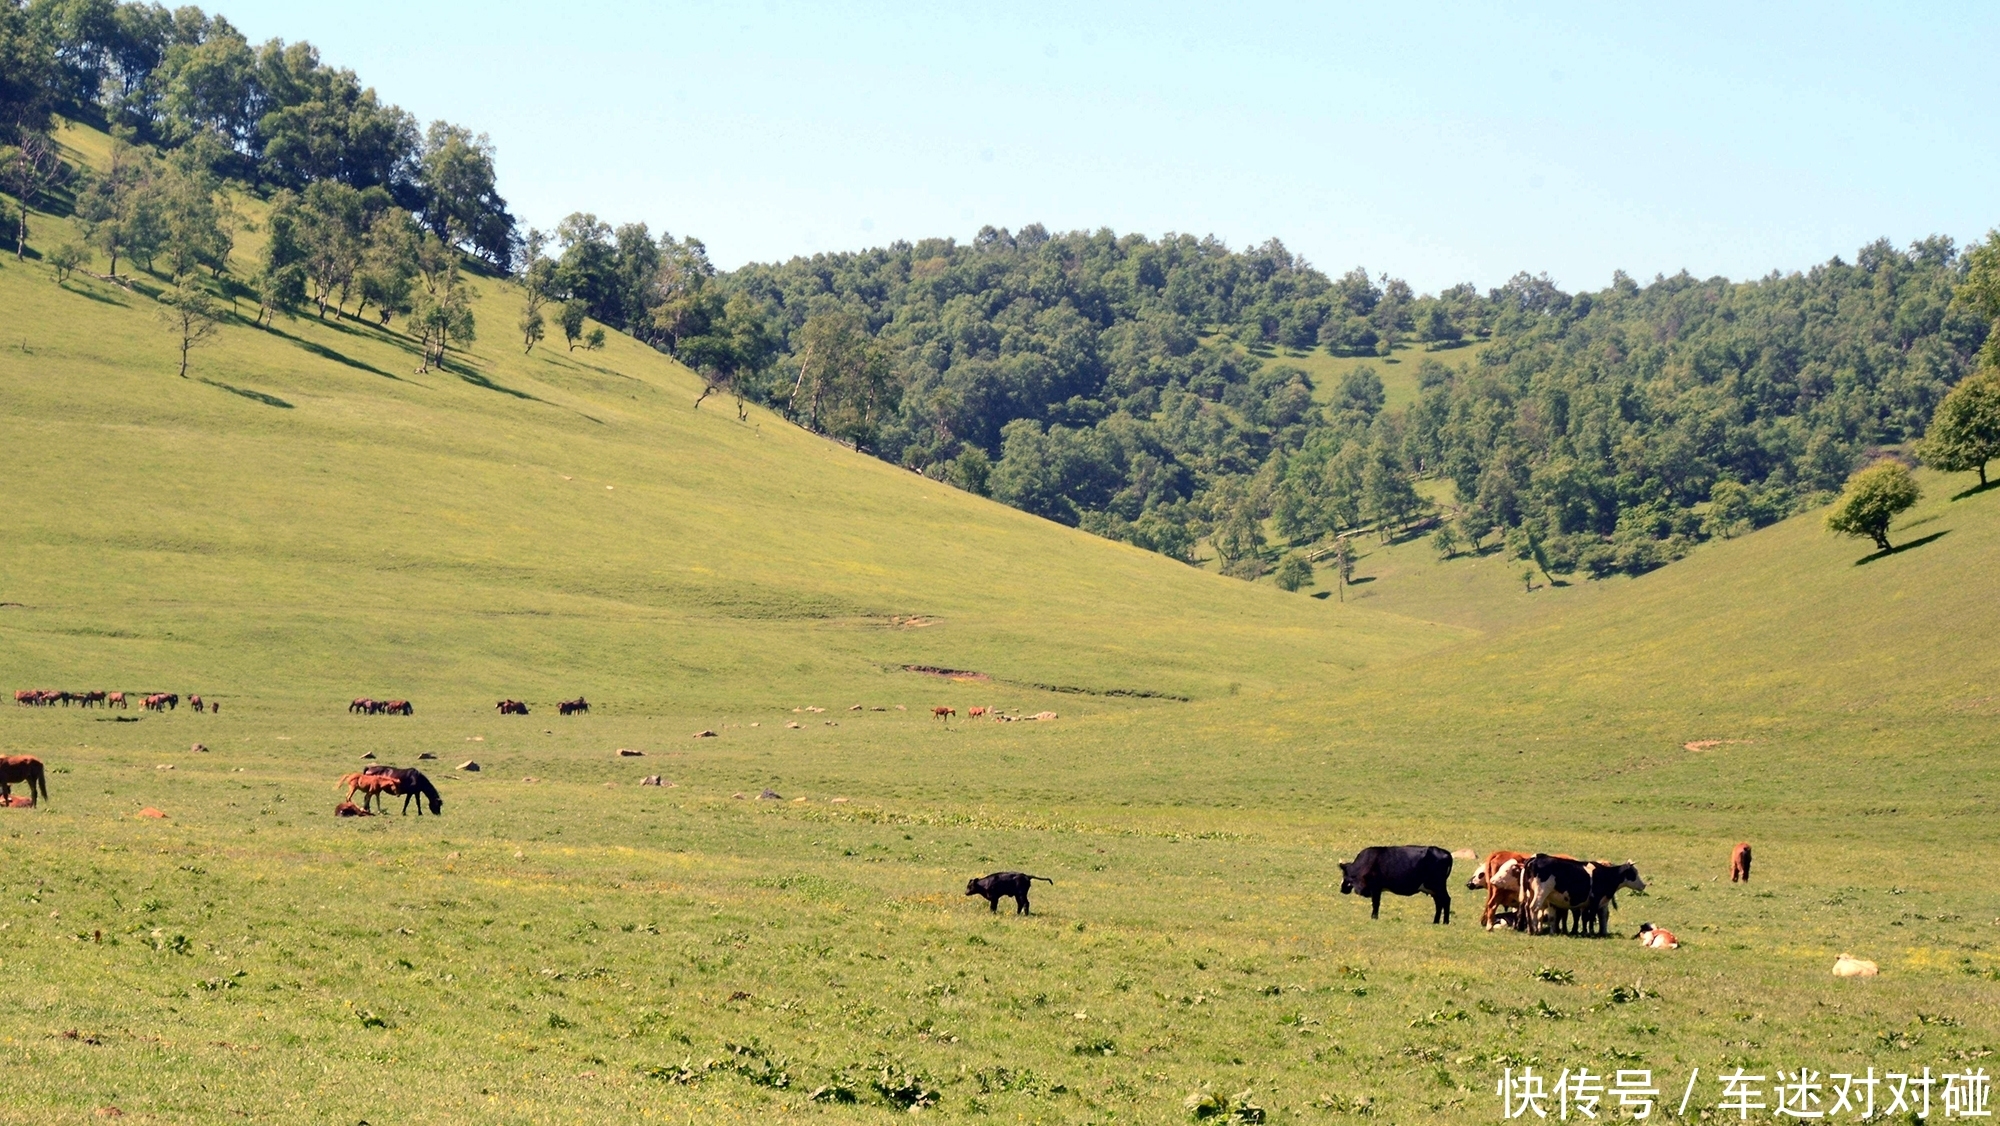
[1134, 387]
[1115, 383]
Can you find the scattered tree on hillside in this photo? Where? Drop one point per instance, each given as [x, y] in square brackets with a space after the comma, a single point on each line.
[191, 314]
[66, 258]
[1446, 542]
[1343, 565]
[573, 314]
[332, 220]
[440, 309]
[1729, 509]
[1293, 572]
[196, 221]
[280, 280]
[388, 267]
[118, 209]
[537, 278]
[1965, 432]
[29, 168]
[1874, 496]
[843, 387]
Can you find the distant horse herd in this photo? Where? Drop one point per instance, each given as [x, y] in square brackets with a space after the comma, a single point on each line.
[99, 698]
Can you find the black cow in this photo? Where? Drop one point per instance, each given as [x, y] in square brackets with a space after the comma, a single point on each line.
[1556, 888]
[1402, 869]
[1000, 884]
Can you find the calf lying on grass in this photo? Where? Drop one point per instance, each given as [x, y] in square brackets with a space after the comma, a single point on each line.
[1000, 884]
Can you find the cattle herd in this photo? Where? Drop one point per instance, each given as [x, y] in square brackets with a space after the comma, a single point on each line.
[1540, 893]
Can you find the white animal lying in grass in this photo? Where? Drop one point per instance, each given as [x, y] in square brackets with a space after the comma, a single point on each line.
[1847, 965]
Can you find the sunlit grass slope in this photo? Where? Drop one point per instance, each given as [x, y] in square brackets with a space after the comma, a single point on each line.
[307, 515]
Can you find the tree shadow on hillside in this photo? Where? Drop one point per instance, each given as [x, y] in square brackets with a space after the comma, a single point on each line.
[253, 396]
[1901, 547]
[1977, 489]
[478, 380]
[103, 298]
[326, 353]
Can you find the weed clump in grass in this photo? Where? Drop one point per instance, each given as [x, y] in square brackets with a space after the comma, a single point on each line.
[902, 1087]
[1552, 974]
[1203, 1104]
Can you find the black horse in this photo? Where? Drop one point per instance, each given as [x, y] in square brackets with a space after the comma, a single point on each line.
[411, 783]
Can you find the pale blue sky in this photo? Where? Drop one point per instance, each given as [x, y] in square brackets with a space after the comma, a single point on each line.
[1441, 143]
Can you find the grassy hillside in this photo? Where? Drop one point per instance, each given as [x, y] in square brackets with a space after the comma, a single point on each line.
[307, 520]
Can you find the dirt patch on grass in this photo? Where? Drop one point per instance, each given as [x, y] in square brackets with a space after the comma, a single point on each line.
[1711, 744]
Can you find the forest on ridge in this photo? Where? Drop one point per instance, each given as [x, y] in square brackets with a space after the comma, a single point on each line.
[1144, 389]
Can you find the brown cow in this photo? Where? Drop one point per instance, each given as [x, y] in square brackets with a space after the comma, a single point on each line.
[1500, 877]
[1739, 864]
[23, 768]
[944, 714]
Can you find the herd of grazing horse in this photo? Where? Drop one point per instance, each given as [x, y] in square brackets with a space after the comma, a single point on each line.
[99, 698]
[566, 707]
[367, 706]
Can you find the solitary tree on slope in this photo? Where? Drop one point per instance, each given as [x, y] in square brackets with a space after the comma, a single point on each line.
[1965, 432]
[1873, 497]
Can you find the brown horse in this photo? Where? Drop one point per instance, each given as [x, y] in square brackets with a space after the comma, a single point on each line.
[23, 768]
[370, 786]
[195, 703]
[511, 707]
[399, 707]
[944, 714]
[411, 784]
[116, 700]
[571, 707]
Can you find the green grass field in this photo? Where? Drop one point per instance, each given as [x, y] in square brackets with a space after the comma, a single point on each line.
[306, 520]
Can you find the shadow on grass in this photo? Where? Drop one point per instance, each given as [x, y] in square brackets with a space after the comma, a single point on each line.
[1901, 547]
[1977, 489]
[478, 380]
[253, 396]
[1359, 579]
[105, 298]
[326, 353]
[1322, 595]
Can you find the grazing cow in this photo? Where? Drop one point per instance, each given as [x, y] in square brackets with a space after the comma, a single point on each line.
[1402, 869]
[1500, 878]
[572, 707]
[1653, 938]
[23, 768]
[1001, 884]
[116, 700]
[1556, 888]
[361, 704]
[974, 713]
[1739, 864]
[410, 783]
[349, 809]
[944, 714]
[195, 703]
[511, 707]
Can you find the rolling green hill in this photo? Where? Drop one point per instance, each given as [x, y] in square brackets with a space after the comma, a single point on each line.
[307, 519]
